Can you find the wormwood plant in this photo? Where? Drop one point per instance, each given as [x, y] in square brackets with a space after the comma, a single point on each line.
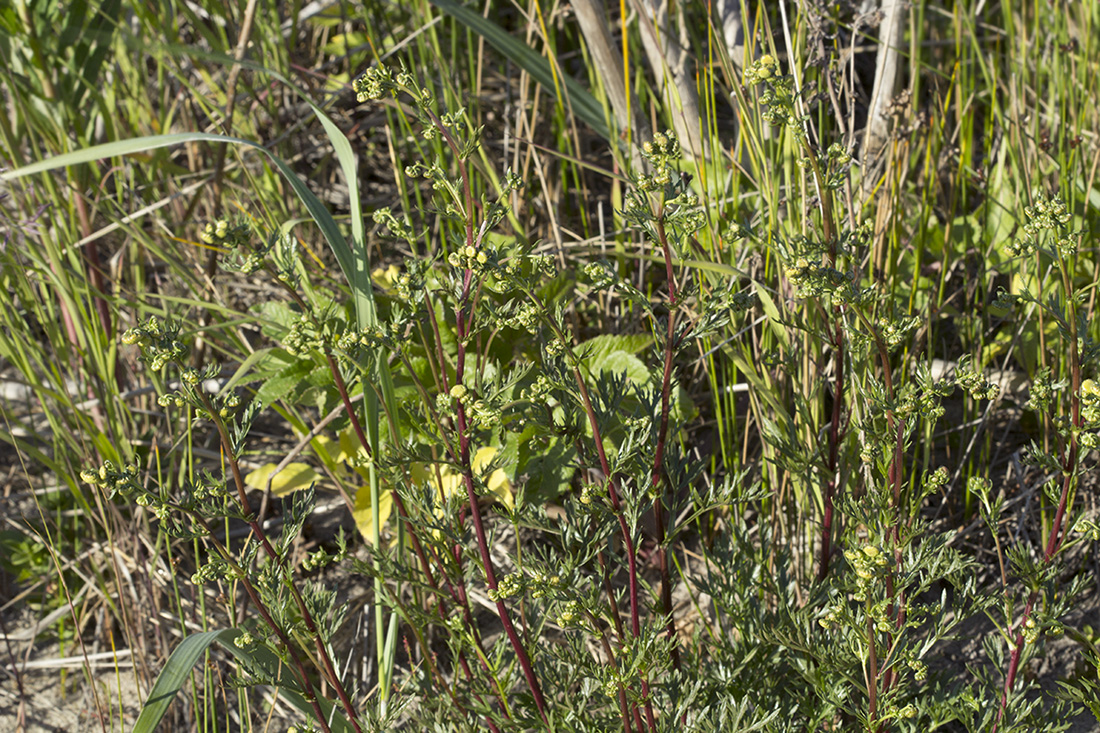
[491, 378]
[499, 404]
[816, 590]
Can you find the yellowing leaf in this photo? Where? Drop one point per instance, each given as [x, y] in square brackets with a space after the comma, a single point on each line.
[449, 481]
[364, 517]
[385, 279]
[293, 477]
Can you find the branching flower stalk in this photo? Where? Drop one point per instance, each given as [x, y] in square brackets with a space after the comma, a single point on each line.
[894, 475]
[780, 99]
[254, 596]
[418, 549]
[373, 85]
[657, 477]
[238, 479]
[1052, 215]
[124, 481]
[613, 488]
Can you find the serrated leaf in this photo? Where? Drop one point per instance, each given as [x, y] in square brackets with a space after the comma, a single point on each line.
[623, 364]
[598, 347]
[275, 312]
[549, 470]
[294, 379]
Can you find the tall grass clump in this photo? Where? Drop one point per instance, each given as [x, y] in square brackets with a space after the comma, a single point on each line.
[509, 407]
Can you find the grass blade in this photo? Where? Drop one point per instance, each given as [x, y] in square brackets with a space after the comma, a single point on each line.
[583, 103]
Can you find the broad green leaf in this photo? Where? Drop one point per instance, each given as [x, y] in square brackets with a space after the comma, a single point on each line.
[547, 464]
[623, 364]
[449, 481]
[597, 348]
[295, 378]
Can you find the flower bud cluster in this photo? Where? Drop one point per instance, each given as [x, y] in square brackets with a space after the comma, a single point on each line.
[1088, 528]
[228, 405]
[484, 415]
[171, 399]
[201, 492]
[1090, 415]
[211, 571]
[525, 318]
[220, 233]
[508, 586]
[591, 492]
[410, 288]
[471, 258]
[540, 390]
[304, 336]
[765, 68]
[542, 585]
[1041, 391]
[570, 615]
[974, 381]
[1046, 215]
[397, 227]
[895, 332]
[869, 452]
[555, 347]
[158, 343]
[838, 159]
[460, 394]
[113, 479]
[600, 274]
[1090, 403]
[979, 486]
[935, 480]
[318, 560]
[830, 620]
[662, 153]
[734, 233]
[387, 334]
[778, 97]
[377, 81]
[1031, 630]
[866, 562]
[812, 280]
[539, 265]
